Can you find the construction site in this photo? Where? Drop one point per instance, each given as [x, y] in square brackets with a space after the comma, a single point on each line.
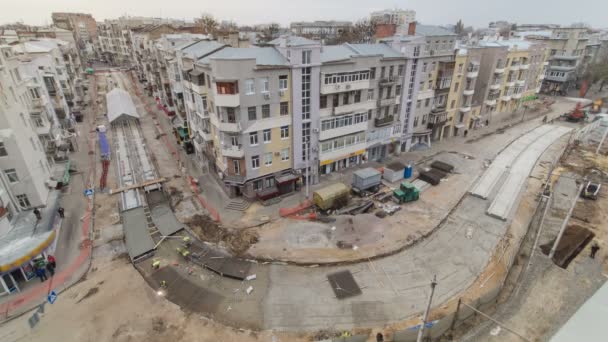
[359, 259]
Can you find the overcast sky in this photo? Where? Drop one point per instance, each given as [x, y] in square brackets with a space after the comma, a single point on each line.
[473, 12]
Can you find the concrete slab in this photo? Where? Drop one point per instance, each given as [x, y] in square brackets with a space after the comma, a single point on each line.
[507, 196]
[137, 236]
[165, 220]
[504, 160]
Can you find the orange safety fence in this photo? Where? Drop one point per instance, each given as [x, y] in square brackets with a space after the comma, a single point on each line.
[212, 211]
[284, 212]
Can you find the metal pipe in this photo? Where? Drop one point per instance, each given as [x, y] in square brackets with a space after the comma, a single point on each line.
[565, 223]
[497, 322]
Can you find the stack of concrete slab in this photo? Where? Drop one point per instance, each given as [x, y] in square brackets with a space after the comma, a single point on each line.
[504, 161]
[508, 193]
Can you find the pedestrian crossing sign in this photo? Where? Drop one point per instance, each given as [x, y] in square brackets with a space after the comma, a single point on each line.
[52, 297]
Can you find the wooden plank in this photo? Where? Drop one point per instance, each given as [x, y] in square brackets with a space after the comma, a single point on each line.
[139, 185]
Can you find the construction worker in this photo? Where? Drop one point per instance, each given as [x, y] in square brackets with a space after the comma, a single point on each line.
[156, 264]
[187, 241]
[594, 248]
[38, 214]
[163, 284]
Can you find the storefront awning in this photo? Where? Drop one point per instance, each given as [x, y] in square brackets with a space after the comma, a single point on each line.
[290, 177]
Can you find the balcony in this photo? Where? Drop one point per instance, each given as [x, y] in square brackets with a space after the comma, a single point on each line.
[499, 69]
[344, 130]
[520, 83]
[545, 63]
[514, 66]
[472, 73]
[541, 77]
[354, 107]
[226, 126]
[562, 67]
[468, 92]
[443, 84]
[465, 108]
[439, 118]
[558, 78]
[506, 98]
[489, 102]
[510, 83]
[199, 89]
[524, 67]
[227, 100]
[495, 86]
[517, 96]
[565, 57]
[346, 86]
[385, 121]
[205, 134]
[233, 151]
[386, 102]
[388, 80]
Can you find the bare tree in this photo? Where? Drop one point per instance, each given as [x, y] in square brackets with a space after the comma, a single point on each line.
[596, 72]
[208, 23]
[269, 33]
[362, 31]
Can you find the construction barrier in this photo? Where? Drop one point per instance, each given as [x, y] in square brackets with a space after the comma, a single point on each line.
[284, 212]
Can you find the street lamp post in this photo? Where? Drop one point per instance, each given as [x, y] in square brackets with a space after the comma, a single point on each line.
[428, 309]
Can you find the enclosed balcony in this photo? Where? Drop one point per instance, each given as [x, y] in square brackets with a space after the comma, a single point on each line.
[227, 94]
[385, 121]
[233, 151]
[344, 81]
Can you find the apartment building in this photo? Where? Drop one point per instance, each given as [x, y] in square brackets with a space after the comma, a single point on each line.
[319, 30]
[114, 43]
[394, 16]
[566, 47]
[50, 82]
[83, 27]
[23, 164]
[249, 112]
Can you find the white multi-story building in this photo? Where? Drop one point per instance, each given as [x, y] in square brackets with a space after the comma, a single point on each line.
[394, 16]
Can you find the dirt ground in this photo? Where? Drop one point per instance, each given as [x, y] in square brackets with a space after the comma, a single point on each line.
[105, 307]
[236, 240]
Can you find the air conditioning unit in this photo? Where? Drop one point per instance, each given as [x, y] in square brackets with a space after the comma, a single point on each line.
[315, 130]
[267, 96]
[276, 154]
[348, 86]
[281, 92]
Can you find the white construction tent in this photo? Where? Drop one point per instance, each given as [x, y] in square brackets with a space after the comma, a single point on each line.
[120, 106]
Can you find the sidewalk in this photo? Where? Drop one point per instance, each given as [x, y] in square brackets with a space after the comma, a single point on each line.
[73, 252]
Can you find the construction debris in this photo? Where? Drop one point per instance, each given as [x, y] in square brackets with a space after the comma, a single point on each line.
[442, 166]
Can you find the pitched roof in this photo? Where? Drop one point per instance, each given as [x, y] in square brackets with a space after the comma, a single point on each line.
[293, 41]
[201, 48]
[432, 30]
[333, 53]
[262, 55]
[120, 104]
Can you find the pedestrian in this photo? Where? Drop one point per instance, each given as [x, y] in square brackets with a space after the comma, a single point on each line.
[38, 214]
[545, 119]
[466, 132]
[51, 269]
[61, 212]
[51, 260]
[41, 273]
[594, 250]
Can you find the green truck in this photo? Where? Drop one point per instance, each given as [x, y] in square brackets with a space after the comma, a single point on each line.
[407, 192]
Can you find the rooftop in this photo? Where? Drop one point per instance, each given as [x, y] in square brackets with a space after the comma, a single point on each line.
[262, 55]
[512, 44]
[432, 30]
[120, 104]
[293, 41]
[201, 48]
[332, 53]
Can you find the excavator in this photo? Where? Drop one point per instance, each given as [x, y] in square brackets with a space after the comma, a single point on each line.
[577, 115]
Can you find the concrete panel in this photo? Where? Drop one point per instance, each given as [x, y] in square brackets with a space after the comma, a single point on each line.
[509, 192]
[137, 236]
[504, 160]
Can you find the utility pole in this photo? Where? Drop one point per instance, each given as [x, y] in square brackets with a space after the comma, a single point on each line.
[599, 146]
[308, 168]
[428, 309]
[565, 223]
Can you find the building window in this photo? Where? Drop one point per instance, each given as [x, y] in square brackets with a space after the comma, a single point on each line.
[268, 159]
[285, 154]
[265, 111]
[335, 100]
[306, 56]
[284, 132]
[305, 140]
[382, 72]
[3, 152]
[252, 113]
[357, 96]
[460, 67]
[267, 135]
[33, 143]
[265, 85]
[400, 70]
[370, 94]
[236, 166]
[424, 65]
[284, 108]
[255, 162]
[253, 138]
[24, 202]
[418, 103]
[427, 102]
[249, 86]
[306, 92]
[345, 98]
[227, 88]
[372, 73]
[452, 104]
[456, 86]
[11, 174]
[35, 93]
[283, 82]
[323, 101]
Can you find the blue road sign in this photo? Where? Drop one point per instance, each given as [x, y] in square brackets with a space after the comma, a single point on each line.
[88, 192]
[52, 297]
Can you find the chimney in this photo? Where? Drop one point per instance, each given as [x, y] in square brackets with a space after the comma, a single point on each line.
[411, 29]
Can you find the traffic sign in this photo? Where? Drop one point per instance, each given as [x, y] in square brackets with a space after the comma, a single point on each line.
[89, 192]
[52, 297]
